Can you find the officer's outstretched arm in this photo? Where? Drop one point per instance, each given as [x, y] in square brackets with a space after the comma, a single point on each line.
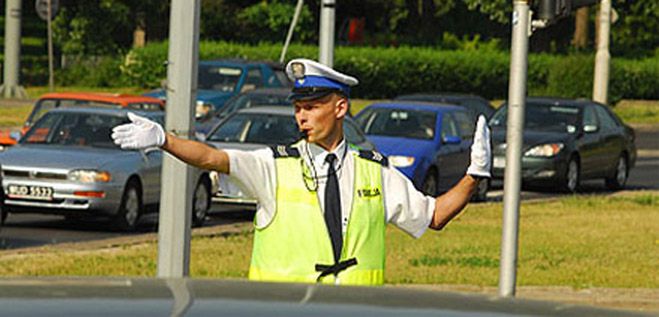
[143, 133]
[449, 205]
[197, 154]
[452, 202]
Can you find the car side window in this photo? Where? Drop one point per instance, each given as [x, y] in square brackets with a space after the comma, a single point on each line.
[589, 117]
[449, 127]
[40, 109]
[254, 80]
[608, 123]
[466, 125]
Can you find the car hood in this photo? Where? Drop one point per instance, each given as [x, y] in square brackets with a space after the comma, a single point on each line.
[59, 157]
[401, 146]
[531, 138]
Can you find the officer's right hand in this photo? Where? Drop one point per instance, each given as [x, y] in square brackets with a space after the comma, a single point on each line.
[481, 152]
[141, 133]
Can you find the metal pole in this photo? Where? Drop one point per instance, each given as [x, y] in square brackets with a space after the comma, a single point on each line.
[515, 126]
[602, 57]
[12, 65]
[296, 15]
[51, 71]
[177, 177]
[326, 42]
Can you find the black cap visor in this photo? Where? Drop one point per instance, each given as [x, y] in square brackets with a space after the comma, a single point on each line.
[311, 93]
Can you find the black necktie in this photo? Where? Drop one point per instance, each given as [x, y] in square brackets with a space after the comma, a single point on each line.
[333, 208]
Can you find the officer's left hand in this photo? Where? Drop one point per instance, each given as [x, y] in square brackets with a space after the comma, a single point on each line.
[481, 152]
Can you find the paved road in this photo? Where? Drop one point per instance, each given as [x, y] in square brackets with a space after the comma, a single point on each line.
[22, 231]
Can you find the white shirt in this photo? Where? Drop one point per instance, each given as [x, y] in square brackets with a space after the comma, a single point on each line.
[255, 175]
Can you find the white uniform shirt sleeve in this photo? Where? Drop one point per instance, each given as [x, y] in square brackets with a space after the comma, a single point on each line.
[405, 206]
[253, 172]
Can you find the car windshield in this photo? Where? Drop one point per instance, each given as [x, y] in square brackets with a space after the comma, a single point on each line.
[80, 129]
[257, 128]
[404, 123]
[543, 117]
[253, 100]
[220, 78]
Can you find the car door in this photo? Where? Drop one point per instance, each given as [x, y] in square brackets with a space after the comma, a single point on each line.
[589, 142]
[466, 127]
[449, 157]
[612, 140]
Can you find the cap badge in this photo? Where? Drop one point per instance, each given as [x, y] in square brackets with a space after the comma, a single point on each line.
[298, 70]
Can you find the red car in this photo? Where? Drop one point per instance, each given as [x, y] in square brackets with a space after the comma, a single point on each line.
[88, 99]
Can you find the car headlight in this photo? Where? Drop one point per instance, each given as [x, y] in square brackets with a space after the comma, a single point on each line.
[401, 161]
[89, 176]
[545, 150]
[2, 148]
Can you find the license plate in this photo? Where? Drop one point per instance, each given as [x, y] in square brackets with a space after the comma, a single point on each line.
[30, 192]
[499, 162]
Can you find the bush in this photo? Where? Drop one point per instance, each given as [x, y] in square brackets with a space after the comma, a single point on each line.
[387, 72]
[101, 71]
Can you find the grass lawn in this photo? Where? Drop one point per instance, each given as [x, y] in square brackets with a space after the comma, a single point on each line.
[579, 241]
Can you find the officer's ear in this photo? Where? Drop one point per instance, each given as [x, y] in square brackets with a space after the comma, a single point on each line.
[342, 106]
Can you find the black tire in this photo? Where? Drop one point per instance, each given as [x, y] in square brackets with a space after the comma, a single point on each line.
[430, 184]
[572, 176]
[201, 202]
[130, 208]
[619, 175]
[481, 190]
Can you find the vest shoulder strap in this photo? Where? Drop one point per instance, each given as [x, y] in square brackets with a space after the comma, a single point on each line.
[284, 151]
[374, 156]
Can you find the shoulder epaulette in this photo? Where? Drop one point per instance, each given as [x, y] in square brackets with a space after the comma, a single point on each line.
[280, 151]
[374, 156]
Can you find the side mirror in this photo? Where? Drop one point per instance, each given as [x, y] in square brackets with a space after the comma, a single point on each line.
[590, 128]
[451, 140]
[16, 135]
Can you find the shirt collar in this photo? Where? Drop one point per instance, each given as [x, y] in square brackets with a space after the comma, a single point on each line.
[318, 153]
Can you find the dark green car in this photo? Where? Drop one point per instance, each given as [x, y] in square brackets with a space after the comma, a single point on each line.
[567, 141]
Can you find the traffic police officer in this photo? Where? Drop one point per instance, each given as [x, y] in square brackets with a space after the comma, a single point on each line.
[323, 204]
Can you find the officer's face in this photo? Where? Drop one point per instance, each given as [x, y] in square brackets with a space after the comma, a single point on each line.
[321, 119]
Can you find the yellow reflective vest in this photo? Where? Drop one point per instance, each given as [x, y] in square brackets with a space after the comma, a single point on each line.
[296, 241]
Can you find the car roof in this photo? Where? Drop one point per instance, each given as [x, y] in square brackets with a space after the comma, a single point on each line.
[557, 101]
[107, 111]
[276, 110]
[237, 63]
[447, 95]
[417, 105]
[122, 99]
[282, 91]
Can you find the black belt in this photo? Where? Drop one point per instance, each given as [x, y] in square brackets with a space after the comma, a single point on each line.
[335, 269]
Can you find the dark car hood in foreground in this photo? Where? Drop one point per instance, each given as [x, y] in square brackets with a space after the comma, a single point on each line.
[532, 138]
[191, 297]
[59, 157]
[400, 146]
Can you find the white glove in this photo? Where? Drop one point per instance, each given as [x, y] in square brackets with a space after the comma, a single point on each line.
[141, 133]
[481, 152]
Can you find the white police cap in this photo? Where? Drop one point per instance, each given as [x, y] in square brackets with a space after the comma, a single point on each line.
[313, 80]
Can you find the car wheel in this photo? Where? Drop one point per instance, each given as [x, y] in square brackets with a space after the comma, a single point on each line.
[481, 190]
[620, 175]
[201, 202]
[571, 179]
[430, 183]
[130, 208]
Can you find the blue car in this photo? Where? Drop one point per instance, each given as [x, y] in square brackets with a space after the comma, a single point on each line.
[219, 80]
[428, 142]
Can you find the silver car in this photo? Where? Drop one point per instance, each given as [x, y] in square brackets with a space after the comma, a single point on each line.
[67, 164]
[259, 127]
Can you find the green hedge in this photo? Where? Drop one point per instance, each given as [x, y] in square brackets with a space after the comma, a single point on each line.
[387, 72]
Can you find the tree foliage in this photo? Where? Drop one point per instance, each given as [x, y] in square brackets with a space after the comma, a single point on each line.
[100, 27]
